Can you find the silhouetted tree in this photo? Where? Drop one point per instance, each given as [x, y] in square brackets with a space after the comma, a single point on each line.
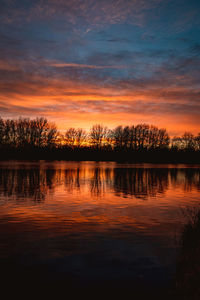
[1, 131]
[81, 136]
[75, 137]
[197, 140]
[188, 140]
[70, 136]
[163, 138]
[25, 132]
[176, 142]
[142, 136]
[140, 142]
[97, 134]
[117, 135]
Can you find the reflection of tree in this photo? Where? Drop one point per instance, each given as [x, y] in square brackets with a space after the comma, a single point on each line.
[97, 186]
[186, 178]
[26, 183]
[72, 179]
[192, 179]
[140, 182]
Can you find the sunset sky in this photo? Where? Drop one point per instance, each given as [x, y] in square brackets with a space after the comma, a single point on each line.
[116, 62]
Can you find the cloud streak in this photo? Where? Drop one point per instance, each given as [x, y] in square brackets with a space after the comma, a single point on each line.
[74, 65]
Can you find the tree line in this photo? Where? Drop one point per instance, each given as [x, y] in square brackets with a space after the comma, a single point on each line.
[40, 133]
[25, 132]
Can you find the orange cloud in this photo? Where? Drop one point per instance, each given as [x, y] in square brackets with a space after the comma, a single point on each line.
[82, 101]
[73, 65]
[83, 105]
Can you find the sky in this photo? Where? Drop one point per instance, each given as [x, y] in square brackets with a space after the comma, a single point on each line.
[113, 62]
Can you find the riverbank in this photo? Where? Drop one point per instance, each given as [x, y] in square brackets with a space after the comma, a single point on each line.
[175, 156]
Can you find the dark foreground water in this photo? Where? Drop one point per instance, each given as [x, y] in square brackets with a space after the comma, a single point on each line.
[93, 228]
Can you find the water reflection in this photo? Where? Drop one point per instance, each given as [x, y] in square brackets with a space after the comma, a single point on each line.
[187, 178]
[26, 183]
[142, 183]
[89, 222]
[99, 181]
[72, 179]
[187, 274]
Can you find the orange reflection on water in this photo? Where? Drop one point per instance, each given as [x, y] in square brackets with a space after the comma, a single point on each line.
[97, 196]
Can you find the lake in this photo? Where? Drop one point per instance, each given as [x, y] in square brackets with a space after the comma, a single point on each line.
[94, 225]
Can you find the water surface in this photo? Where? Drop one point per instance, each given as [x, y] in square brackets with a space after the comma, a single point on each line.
[88, 223]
